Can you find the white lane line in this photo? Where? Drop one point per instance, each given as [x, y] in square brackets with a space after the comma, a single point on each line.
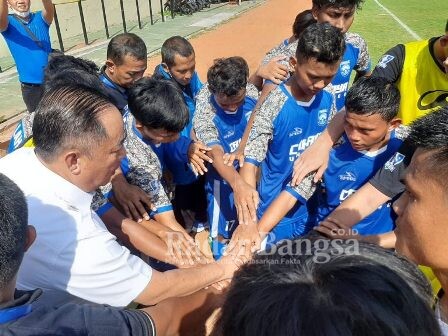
[401, 23]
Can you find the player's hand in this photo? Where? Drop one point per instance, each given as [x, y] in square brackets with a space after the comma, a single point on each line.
[245, 241]
[314, 158]
[229, 158]
[132, 200]
[182, 248]
[332, 229]
[197, 156]
[273, 70]
[231, 262]
[246, 202]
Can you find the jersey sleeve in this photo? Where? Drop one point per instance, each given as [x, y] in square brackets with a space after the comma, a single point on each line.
[263, 127]
[391, 63]
[388, 179]
[304, 190]
[204, 115]
[142, 168]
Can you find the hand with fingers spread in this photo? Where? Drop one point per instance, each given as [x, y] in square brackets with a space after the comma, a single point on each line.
[183, 249]
[274, 71]
[333, 229]
[197, 156]
[133, 201]
[315, 158]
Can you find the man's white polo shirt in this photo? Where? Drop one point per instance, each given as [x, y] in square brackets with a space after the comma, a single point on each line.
[73, 250]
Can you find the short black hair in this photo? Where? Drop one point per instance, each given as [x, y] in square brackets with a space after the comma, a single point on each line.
[158, 104]
[70, 70]
[13, 229]
[373, 95]
[366, 291]
[430, 133]
[67, 115]
[175, 45]
[303, 20]
[228, 76]
[357, 4]
[126, 44]
[322, 42]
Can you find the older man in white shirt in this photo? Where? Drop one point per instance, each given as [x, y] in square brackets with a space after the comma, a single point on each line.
[78, 137]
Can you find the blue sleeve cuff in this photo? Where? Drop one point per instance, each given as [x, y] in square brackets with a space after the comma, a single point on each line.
[252, 161]
[161, 210]
[295, 194]
[104, 208]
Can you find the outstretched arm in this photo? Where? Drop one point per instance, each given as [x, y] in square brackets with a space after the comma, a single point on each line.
[4, 15]
[48, 11]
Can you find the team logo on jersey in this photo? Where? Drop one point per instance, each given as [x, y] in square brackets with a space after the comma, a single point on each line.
[432, 99]
[297, 131]
[394, 161]
[384, 60]
[322, 117]
[345, 68]
[348, 176]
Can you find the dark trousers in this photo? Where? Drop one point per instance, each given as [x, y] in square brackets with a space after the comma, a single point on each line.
[32, 94]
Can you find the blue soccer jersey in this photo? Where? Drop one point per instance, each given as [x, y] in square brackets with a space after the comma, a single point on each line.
[221, 210]
[181, 171]
[356, 57]
[283, 128]
[347, 171]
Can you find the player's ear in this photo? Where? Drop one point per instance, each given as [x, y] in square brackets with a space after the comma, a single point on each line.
[110, 65]
[394, 123]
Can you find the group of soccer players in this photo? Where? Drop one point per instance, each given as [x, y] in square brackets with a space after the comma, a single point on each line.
[250, 160]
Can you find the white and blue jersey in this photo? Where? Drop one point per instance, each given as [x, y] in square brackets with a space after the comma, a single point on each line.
[181, 171]
[283, 128]
[222, 214]
[347, 171]
[356, 57]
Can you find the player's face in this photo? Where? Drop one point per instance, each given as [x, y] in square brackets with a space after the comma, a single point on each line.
[183, 69]
[127, 73]
[20, 5]
[312, 76]
[230, 103]
[100, 164]
[422, 227]
[341, 18]
[157, 135]
[367, 132]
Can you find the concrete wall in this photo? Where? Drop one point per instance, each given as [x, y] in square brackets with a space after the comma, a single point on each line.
[70, 22]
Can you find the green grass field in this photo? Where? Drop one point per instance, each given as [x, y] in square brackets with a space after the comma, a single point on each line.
[427, 18]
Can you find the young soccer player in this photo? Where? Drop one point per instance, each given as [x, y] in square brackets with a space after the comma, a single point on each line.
[178, 65]
[232, 105]
[289, 120]
[356, 57]
[156, 116]
[126, 63]
[371, 138]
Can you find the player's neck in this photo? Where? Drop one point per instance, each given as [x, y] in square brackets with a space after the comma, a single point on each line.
[296, 91]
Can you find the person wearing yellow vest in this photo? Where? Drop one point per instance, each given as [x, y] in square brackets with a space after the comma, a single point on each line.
[420, 71]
